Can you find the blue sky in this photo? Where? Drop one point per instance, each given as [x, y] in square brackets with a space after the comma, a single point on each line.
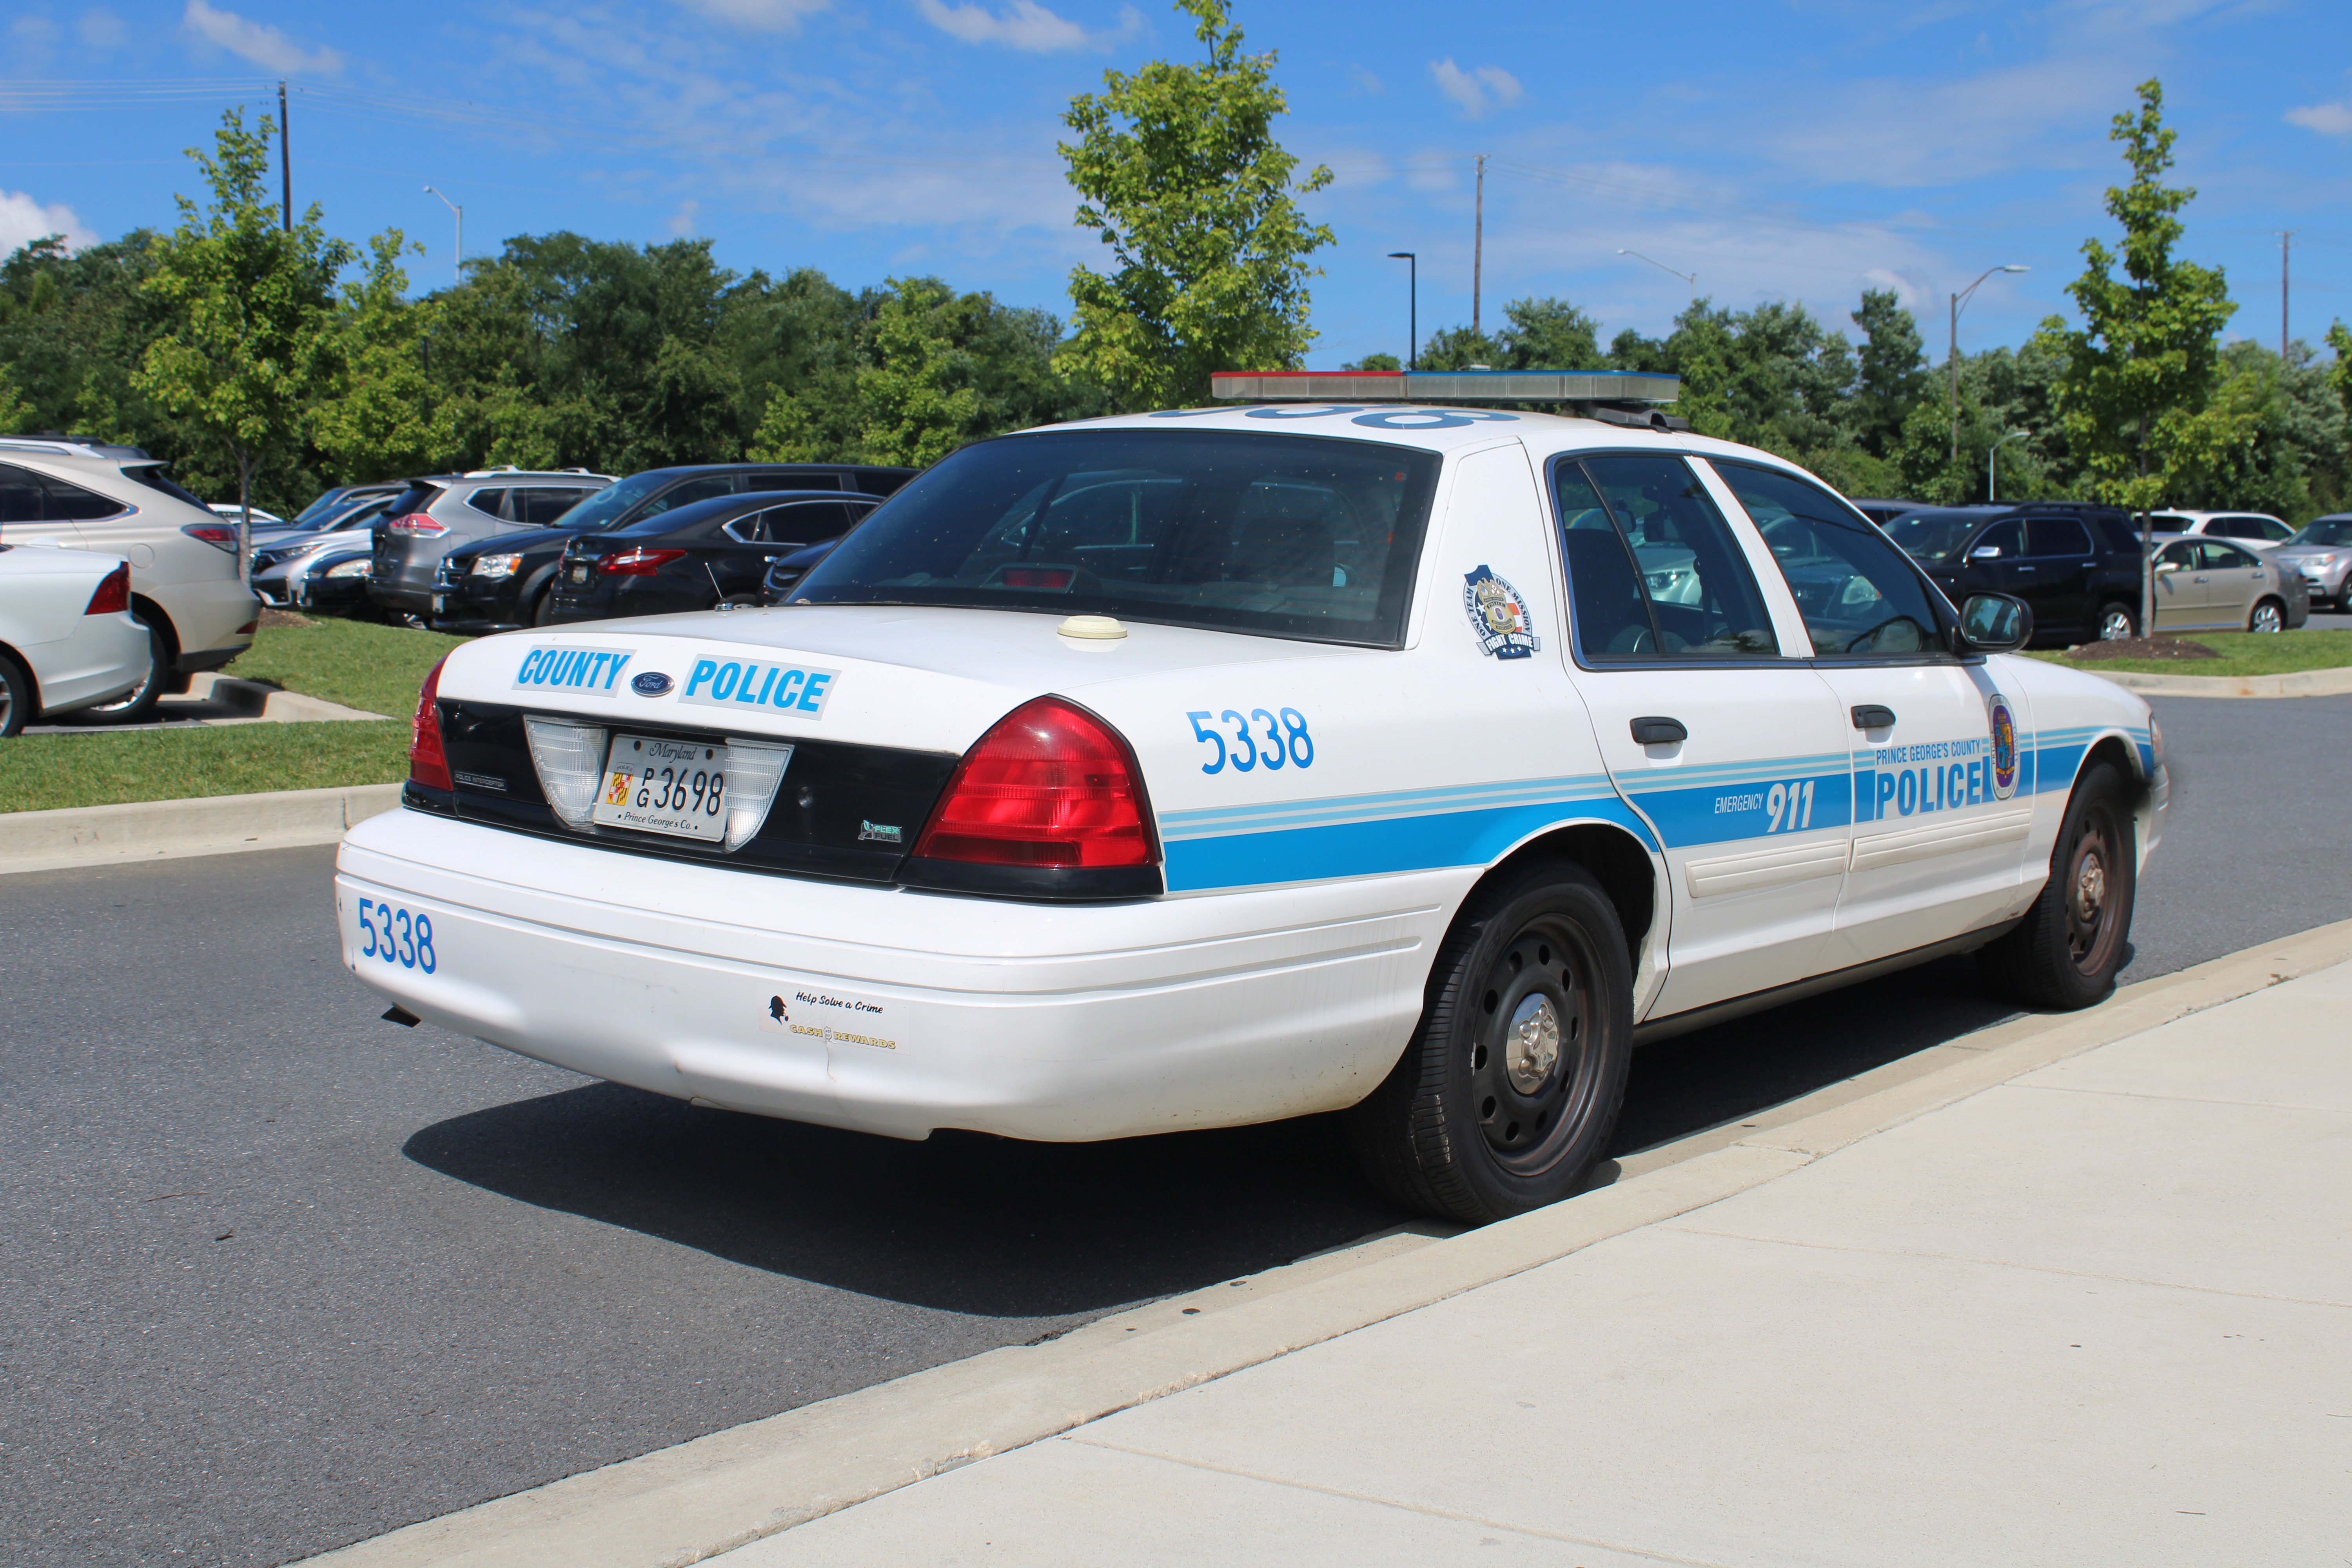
[1799, 150]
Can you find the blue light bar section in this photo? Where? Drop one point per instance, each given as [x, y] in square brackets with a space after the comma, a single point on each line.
[1447, 386]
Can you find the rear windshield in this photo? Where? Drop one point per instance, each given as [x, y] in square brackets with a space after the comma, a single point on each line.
[2327, 531]
[416, 497]
[151, 475]
[1290, 536]
[610, 504]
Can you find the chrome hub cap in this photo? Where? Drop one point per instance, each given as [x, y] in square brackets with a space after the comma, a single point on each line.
[1532, 1043]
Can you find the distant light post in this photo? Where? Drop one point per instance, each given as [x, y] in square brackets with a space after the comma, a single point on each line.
[1959, 301]
[1992, 458]
[1412, 306]
[457, 268]
[1690, 278]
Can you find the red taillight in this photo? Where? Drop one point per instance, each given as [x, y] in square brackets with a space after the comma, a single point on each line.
[113, 596]
[416, 525]
[635, 562]
[427, 762]
[219, 536]
[1037, 577]
[1050, 785]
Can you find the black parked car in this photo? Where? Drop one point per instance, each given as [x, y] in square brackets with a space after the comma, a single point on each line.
[786, 573]
[713, 552]
[2077, 567]
[498, 585]
[336, 583]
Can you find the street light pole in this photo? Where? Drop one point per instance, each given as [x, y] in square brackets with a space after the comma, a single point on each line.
[1412, 307]
[1690, 278]
[1959, 301]
[457, 268]
[1992, 458]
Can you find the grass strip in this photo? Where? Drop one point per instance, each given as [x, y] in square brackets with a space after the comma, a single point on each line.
[356, 663]
[2242, 653]
[42, 773]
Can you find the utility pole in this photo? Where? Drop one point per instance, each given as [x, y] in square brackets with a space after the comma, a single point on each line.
[1478, 246]
[1959, 302]
[2285, 235]
[285, 167]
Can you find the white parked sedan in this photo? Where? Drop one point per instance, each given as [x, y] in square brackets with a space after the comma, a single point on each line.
[68, 640]
[1221, 765]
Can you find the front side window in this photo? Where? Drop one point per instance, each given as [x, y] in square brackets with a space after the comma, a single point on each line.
[2182, 553]
[2001, 541]
[1859, 596]
[1279, 535]
[1652, 569]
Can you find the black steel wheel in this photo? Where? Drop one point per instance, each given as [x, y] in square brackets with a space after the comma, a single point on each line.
[1510, 1089]
[138, 705]
[2073, 938]
[2116, 624]
[15, 699]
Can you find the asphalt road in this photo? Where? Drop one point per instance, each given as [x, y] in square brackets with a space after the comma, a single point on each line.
[277, 1276]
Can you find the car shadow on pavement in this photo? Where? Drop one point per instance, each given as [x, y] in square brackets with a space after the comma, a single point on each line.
[968, 1223]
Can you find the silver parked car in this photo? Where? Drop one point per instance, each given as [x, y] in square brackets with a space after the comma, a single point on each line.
[440, 512]
[2216, 585]
[2322, 552]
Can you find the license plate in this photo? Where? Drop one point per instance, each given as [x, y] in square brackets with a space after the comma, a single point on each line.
[580, 574]
[440, 604]
[665, 787]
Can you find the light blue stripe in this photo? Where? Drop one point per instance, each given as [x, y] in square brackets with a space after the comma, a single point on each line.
[1400, 802]
[1443, 840]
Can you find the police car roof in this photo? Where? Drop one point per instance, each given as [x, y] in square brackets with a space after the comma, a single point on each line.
[1434, 426]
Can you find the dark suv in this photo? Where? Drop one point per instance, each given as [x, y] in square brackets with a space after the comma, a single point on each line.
[2079, 567]
[501, 583]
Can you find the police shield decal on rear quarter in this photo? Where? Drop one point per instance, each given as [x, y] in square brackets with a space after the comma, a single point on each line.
[746, 683]
[2004, 746]
[1498, 615]
[589, 671]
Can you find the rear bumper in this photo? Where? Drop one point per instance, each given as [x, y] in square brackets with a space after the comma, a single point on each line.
[892, 1011]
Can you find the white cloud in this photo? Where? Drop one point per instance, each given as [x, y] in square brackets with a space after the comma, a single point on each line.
[2328, 119]
[101, 29]
[1024, 24]
[23, 220]
[684, 221]
[258, 42]
[761, 16]
[1477, 92]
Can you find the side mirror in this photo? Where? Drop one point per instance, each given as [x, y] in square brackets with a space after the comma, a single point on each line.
[1985, 553]
[1994, 623]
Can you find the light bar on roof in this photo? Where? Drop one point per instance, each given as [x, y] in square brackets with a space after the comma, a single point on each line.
[1447, 386]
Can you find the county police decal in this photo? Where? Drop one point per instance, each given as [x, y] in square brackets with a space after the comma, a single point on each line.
[589, 671]
[1498, 615]
[2004, 746]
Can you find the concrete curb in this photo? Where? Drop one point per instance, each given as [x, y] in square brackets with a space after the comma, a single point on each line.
[257, 700]
[154, 829]
[690, 1502]
[2300, 683]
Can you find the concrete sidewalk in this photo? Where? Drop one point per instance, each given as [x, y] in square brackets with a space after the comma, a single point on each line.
[2100, 1313]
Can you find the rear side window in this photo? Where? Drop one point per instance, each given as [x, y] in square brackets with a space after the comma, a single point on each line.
[21, 497]
[784, 481]
[2119, 531]
[536, 506]
[1859, 596]
[1652, 569]
[804, 522]
[489, 502]
[1276, 534]
[2056, 536]
[151, 475]
[70, 501]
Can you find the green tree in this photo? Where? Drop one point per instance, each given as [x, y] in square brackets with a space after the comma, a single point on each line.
[382, 414]
[2133, 396]
[1535, 334]
[15, 414]
[1180, 176]
[1891, 371]
[248, 306]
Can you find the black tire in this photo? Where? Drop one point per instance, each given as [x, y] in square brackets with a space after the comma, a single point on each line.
[138, 705]
[2267, 615]
[15, 699]
[2075, 936]
[2111, 617]
[542, 607]
[1473, 1123]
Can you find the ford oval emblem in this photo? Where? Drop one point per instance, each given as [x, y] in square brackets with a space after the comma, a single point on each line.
[652, 683]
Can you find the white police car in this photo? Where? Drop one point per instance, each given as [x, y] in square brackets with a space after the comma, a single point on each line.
[1221, 765]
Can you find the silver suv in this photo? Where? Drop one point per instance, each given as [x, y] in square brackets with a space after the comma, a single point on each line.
[188, 580]
[438, 514]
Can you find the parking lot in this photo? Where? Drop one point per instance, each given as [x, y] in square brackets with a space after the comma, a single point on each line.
[282, 1275]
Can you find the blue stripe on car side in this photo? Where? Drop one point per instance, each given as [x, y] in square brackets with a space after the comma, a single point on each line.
[1476, 838]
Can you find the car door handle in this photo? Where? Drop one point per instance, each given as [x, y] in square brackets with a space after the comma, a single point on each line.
[1656, 732]
[2025, 569]
[1871, 716]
